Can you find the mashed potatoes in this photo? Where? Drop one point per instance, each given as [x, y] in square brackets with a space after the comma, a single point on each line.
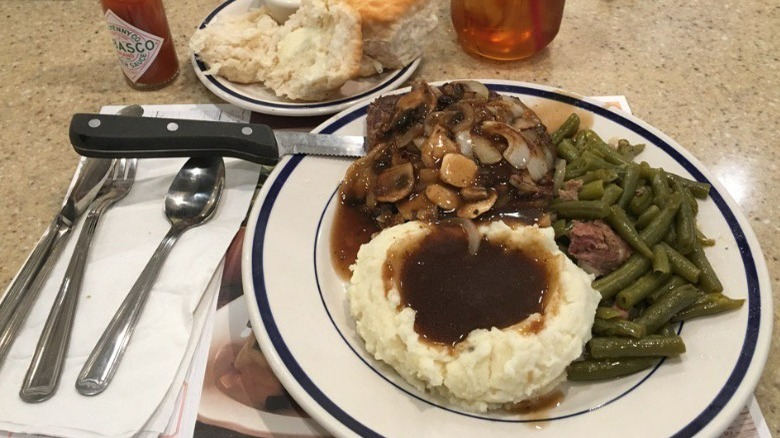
[491, 367]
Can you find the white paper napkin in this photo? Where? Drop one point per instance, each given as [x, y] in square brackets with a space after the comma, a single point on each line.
[126, 237]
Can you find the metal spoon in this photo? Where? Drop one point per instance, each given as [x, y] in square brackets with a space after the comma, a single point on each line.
[191, 200]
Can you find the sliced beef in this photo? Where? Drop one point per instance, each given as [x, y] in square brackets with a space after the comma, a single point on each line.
[570, 190]
[597, 248]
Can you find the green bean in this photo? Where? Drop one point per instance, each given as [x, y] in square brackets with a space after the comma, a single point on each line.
[660, 186]
[670, 237]
[666, 330]
[647, 216]
[559, 175]
[687, 195]
[580, 209]
[615, 281]
[654, 345]
[622, 225]
[612, 193]
[591, 136]
[601, 369]
[603, 312]
[704, 240]
[567, 150]
[567, 129]
[607, 175]
[661, 260]
[681, 265]
[673, 282]
[580, 139]
[575, 168]
[610, 154]
[659, 226]
[667, 306]
[629, 185]
[708, 279]
[618, 327]
[592, 190]
[632, 294]
[646, 171]
[628, 150]
[643, 198]
[685, 220]
[708, 304]
[699, 189]
[594, 162]
[559, 227]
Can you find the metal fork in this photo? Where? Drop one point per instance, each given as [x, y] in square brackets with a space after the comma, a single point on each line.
[44, 372]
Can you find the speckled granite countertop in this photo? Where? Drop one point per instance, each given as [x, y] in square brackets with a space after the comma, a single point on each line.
[705, 73]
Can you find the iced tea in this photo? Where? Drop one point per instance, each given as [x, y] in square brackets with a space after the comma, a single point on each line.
[506, 29]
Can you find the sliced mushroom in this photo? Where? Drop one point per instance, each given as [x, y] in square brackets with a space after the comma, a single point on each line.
[475, 193]
[394, 183]
[438, 118]
[417, 207]
[409, 135]
[360, 176]
[463, 119]
[458, 170]
[412, 105]
[472, 210]
[426, 177]
[436, 146]
[443, 196]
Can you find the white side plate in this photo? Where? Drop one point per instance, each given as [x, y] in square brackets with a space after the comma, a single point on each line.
[256, 97]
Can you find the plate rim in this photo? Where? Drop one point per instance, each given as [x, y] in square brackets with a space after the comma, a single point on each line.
[293, 109]
[760, 315]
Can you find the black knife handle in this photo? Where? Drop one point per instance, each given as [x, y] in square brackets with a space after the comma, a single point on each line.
[112, 136]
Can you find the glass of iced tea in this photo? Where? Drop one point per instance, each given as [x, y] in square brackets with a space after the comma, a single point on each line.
[506, 29]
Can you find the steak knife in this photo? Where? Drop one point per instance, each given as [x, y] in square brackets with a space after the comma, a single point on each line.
[108, 136]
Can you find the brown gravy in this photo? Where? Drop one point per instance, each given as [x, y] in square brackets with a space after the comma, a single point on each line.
[540, 405]
[455, 292]
[351, 228]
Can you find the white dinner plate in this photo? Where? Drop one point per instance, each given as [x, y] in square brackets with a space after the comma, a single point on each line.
[299, 310]
[258, 98]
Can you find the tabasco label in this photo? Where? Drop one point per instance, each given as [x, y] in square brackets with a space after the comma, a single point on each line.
[136, 48]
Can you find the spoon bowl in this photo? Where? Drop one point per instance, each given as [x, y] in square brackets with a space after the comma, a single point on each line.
[195, 192]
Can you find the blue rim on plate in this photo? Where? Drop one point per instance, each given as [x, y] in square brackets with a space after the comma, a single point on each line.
[714, 407]
[219, 86]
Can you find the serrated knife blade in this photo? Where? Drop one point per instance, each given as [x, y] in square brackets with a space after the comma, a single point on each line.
[108, 136]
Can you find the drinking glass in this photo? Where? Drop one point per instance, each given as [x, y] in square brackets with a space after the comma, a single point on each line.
[506, 29]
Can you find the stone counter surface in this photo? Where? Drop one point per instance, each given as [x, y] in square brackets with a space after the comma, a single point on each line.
[705, 73]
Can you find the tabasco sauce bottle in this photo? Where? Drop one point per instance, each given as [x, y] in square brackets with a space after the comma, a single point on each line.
[143, 42]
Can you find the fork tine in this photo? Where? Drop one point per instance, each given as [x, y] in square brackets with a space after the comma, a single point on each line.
[130, 173]
[119, 170]
[112, 172]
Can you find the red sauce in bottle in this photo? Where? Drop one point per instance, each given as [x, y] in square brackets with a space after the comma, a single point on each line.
[143, 42]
